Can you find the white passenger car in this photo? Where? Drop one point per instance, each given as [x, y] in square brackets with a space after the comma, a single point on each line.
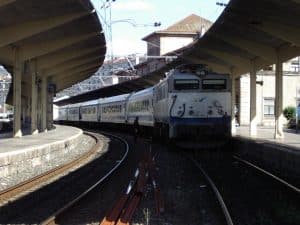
[89, 111]
[73, 112]
[140, 104]
[62, 113]
[113, 109]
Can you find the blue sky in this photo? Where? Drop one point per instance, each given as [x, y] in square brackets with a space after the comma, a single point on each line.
[126, 38]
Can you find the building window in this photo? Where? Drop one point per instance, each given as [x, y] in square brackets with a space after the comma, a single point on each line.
[295, 65]
[269, 106]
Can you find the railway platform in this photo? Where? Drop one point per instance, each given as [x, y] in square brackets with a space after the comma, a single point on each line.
[266, 134]
[46, 139]
[280, 156]
[22, 158]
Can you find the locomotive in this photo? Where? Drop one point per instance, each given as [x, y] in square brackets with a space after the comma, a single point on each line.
[189, 103]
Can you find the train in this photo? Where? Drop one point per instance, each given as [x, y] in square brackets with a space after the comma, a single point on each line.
[6, 121]
[189, 103]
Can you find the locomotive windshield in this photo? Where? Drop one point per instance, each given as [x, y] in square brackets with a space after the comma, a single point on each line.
[186, 84]
[216, 84]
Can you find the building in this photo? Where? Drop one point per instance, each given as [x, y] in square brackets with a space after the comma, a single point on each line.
[265, 93]
[5, 81]
[177, 35]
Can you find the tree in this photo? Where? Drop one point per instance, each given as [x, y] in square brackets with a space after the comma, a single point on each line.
[289, 112]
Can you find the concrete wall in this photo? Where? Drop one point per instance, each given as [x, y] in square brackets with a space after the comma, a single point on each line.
[38, 157]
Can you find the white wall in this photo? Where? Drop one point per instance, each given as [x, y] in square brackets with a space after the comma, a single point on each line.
[267, 90]
[168, 44]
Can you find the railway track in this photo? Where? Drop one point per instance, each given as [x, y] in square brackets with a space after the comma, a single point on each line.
[45, 203]
[252, 195]
[16, 190]
[123, 210]
[278, 179]
[215, 190]
[67, 206]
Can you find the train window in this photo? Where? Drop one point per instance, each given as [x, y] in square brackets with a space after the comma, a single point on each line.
[217, 84]
[112, 109]
[186, 84]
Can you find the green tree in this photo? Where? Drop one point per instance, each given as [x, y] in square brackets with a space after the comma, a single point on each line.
[289, 112]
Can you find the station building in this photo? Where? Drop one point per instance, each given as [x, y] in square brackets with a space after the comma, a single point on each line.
[265, 98]
[177, 35]
[5, 81]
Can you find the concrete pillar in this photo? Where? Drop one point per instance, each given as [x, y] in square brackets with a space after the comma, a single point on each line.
[278, 99]
[34, 90]
[39, 104]
[253, 119]
[44, 104]
[233, 103]
[51, 91]
[17, 85]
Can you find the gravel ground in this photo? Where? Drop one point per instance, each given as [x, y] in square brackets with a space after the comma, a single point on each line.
[84, 145]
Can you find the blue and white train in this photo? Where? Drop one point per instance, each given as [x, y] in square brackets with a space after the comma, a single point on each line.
[189, 103]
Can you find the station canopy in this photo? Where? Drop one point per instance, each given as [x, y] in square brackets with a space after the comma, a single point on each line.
[256, 32]
[63, 40]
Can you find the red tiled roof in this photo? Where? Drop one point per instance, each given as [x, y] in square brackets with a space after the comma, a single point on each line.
[189, 25]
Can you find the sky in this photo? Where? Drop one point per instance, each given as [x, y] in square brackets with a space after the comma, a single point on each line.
[126, 38]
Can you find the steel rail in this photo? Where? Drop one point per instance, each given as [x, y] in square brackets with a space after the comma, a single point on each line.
[51, 219]
[13, 191]
[268, 173]
[216, 191]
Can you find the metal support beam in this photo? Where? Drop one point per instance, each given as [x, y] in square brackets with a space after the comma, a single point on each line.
[34, 91]
[253, 119]
[278, 99]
